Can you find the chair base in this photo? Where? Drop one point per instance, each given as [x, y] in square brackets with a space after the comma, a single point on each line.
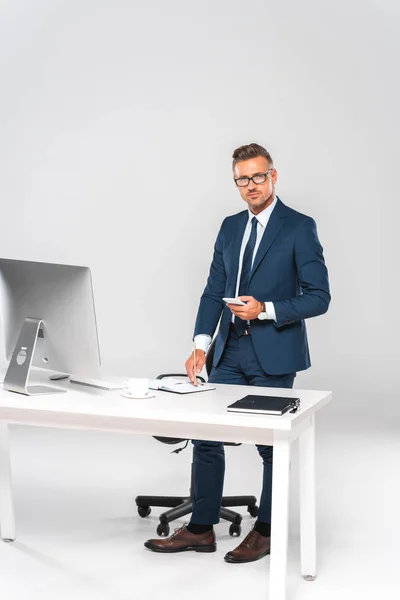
[180, 506]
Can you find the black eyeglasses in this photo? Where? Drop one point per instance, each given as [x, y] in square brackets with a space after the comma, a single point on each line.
[257, 179]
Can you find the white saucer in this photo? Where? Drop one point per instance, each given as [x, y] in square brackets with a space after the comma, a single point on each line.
[142, 397]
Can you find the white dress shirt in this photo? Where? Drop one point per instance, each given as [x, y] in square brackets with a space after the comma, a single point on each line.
[203, 341]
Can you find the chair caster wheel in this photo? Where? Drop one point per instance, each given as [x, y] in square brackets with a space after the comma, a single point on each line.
[163, 529]
[253, 510]
[144, 511]
[235, 530]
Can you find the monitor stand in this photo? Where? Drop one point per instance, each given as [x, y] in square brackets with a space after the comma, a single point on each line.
[16, 379]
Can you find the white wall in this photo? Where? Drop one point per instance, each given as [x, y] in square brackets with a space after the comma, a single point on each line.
[118, 119]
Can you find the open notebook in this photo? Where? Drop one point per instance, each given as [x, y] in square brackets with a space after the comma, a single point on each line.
[178, 386]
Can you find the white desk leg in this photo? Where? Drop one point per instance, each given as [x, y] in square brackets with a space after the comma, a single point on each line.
[7, 520]
[280, 516]
[308, 530]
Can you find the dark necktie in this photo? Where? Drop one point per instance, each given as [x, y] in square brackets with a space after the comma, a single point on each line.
[240, 324]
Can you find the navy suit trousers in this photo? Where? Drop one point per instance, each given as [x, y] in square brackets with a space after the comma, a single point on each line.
[238, 366]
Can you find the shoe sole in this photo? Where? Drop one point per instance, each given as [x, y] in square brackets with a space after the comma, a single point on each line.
[229, 559]
[211, 548]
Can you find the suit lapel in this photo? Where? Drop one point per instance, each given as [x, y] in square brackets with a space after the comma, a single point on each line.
[274, 225]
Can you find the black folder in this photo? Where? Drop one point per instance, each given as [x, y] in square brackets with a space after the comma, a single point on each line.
[265, 405]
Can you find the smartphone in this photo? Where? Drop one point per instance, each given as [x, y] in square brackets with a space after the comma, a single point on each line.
[234, 301]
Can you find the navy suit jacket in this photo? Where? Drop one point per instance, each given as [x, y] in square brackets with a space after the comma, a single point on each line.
[288, 270]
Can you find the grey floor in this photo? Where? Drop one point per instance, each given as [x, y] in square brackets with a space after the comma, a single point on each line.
[79, 536]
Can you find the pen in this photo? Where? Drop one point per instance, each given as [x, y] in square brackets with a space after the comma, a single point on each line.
[194, 364]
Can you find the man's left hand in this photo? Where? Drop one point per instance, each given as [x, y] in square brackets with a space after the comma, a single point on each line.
[250, 311]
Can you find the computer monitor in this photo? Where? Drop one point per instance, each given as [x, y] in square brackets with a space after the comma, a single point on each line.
[49, 321]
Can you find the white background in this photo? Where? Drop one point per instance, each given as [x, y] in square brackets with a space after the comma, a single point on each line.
[117, 124]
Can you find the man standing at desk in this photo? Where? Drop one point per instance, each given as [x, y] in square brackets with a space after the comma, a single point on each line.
[270, 257]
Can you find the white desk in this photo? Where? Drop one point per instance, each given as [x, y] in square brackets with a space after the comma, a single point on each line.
[195, 416]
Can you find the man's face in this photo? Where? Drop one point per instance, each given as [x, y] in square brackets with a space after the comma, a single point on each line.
[257, 195]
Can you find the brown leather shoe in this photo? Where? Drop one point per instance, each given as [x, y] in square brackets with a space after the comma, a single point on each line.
[182, 540]
[253, 547]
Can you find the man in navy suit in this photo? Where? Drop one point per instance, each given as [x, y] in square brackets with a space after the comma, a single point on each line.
[271, 258]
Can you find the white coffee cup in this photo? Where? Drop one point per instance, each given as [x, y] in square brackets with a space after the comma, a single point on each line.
[136, 387]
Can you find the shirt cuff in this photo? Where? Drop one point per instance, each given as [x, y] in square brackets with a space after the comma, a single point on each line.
[203, 341]
[270, 310]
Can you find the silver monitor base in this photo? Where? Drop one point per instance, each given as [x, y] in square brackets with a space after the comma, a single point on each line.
[39, 390]
[16, 379]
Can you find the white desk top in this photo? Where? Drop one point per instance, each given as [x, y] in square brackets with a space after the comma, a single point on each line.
[189, 416]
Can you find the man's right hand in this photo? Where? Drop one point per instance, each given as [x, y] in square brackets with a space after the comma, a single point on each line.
[189, 364]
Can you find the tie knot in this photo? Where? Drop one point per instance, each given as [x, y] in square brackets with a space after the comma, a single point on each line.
[254, 222]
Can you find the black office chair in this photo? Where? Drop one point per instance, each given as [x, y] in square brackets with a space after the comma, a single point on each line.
[182, 505]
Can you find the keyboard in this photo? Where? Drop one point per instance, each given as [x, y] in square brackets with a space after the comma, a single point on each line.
[101, 384]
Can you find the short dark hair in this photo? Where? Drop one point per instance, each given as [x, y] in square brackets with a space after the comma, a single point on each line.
[250, 151]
